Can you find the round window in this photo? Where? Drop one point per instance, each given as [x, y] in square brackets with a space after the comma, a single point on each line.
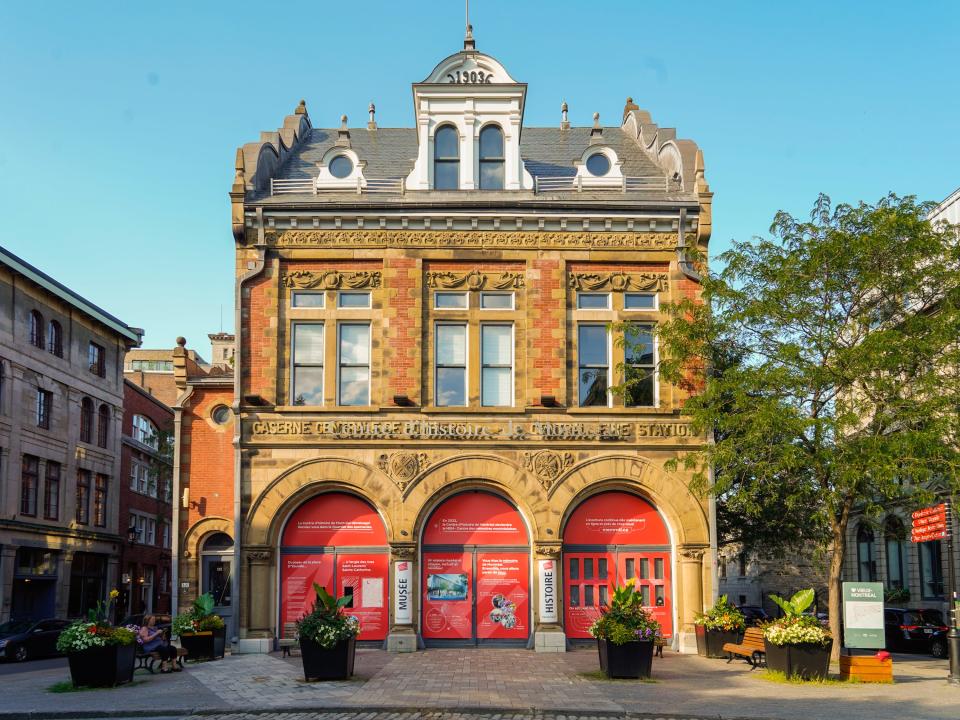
[341, 166]
[221, 414]
[598, 164]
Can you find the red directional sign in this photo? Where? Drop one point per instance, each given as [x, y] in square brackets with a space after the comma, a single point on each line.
[929, 524]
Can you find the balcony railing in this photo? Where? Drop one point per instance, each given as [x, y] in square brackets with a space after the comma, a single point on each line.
[374, 186]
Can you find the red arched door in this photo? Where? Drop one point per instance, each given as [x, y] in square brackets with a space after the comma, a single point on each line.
[610, 538]
[337, 541]
[476, 573]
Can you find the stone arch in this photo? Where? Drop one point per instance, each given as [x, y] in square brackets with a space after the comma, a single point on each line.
[305, 480]
[476, 472]
[201, 529]
[684, 513]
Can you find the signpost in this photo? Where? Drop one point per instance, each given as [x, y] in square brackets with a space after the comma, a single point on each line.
[863, 615]
[934, 523]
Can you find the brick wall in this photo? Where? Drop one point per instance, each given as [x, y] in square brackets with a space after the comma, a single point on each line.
[206, 464]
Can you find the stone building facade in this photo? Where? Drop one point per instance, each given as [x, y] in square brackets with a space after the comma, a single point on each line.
[421, 414]
[61, 404]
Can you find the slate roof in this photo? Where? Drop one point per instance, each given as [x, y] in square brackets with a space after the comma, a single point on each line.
[546, 152]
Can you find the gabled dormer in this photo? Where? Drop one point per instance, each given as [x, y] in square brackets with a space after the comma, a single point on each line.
[469, 114]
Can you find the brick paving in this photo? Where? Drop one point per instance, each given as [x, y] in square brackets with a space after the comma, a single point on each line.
[487, 684]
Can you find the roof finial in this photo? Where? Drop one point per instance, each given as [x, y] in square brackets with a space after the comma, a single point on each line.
[596, 132]
[301, 108]
[564, 120]
[468, 42]
[372, 122]
[343, 134]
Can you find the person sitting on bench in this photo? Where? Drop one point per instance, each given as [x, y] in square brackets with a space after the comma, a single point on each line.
[154, 641]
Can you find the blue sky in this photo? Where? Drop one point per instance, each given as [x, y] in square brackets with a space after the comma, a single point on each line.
[119, 121]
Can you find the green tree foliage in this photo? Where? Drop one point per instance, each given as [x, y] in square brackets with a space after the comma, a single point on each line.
[833, 384]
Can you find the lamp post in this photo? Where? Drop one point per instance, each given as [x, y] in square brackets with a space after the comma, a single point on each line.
[953, 593]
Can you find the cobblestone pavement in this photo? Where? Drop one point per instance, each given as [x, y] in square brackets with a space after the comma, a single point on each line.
[488, 684]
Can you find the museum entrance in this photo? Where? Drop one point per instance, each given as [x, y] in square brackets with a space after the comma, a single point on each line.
[475, 573]
[611, 538]
[339, 542]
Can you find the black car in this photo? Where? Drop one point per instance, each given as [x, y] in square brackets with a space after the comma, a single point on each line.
[914, 630]
[753, 614]
[24, 639]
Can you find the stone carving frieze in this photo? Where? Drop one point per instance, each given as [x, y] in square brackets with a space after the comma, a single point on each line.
[403, 552]
[402, 467]
[547, 465]
[693, 553]
[547, 550]
[619, 281]
[472, 239]
[331, 280]
[258, 556]
[474, 280]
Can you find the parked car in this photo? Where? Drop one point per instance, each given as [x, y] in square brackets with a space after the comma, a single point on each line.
[915, 630]
[754, 614]
[24, 639]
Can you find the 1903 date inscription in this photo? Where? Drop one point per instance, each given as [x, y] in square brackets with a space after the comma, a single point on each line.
[470, 77]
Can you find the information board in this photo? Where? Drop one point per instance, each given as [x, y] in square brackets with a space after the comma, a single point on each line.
[863, 615]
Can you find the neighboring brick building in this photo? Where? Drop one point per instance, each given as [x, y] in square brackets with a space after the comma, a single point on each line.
[61, 400]
[421, 415]
[146, 510]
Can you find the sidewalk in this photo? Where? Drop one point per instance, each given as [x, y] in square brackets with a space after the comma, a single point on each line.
[497, 680]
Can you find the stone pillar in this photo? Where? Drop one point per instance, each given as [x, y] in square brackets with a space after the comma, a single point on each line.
[8, 559]
[548, 634]
[256, 602]
[404, 605]
[691, 589]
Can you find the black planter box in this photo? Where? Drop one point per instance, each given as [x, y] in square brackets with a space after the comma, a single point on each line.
[319, 663]
[630, 660]
[102, 667]
[710, 642]
[206, 645]
[810, 662]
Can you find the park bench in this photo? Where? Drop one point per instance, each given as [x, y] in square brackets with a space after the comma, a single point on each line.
[866, 668]
[146, 661]
[287, 641]
[751, 648]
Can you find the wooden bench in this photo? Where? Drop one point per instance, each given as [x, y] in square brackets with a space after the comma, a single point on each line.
[287, 642]
[146, 661]
[866, 668]
[658, 642]
[752, 648]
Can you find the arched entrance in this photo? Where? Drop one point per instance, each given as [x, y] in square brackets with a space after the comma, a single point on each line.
[476, 573]
[610, 538]
[339, 542]
[216, 559]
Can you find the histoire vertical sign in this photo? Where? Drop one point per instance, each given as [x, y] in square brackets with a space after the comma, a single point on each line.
[548, 591]
[929, 523]
[403, 582]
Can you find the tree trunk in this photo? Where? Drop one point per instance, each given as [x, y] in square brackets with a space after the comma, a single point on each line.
[834, 588]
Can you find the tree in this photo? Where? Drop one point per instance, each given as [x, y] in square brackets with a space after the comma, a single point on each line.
[841, 390]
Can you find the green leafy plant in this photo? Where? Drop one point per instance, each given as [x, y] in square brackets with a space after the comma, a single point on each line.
[797, 604]
[796, 628]
[625, 619]
[96, 631]
[724, 615]
[327, 623]
[897, 595]
[199, 618]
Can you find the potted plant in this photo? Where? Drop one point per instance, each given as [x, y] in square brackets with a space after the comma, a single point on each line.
[797, 645]
[202, 633]
[327, 637]
[721, 624]
[99, 654]
[625, 634]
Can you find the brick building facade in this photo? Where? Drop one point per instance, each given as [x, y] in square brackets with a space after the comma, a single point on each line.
[421, 415]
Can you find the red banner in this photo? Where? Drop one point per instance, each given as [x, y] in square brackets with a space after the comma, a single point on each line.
[333, 519]
[503, 593]
[297, 575]
[364, 578]
[447, 596]
[475, 518]
[615, 518]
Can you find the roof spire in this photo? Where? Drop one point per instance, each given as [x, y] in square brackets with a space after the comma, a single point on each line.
[468, 41]
[372, 122]
[564, 118]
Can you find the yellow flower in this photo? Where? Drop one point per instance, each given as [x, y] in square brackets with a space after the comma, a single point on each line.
[114, 594]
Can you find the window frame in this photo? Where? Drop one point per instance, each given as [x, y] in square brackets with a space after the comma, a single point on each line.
[354, 293]
[141, 426]
[609, 366]
[654, 375]
[51, 490]
[894, 534]
[934, 569]
[96, 359]
[451, 160]
[86, 420]
[55, 338]
[37, 329]
[654, 295]
[101, 485]
[322, 294]
[29, 482]
[866, 561]
[512, 365]
[82, 511]
[451, 293]
[500, 160]
[368, 324]
[607, 295]
[437, 365]
[44, 408]
[497, 293]
[103, 426]
[294, 364]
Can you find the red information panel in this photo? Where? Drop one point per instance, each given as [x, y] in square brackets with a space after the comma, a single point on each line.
[334, 519]
[447, 596]
[503, 595]
[475, 519]
[364, 578]
[615, 518]
[297, 575]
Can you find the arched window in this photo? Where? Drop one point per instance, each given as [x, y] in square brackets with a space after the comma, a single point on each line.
[144, 431]
[866, 566]
[446, 158]
[36, 329]
[86, 420]
[55, 338]
[491, 158]
[895, 537]
[103, 423]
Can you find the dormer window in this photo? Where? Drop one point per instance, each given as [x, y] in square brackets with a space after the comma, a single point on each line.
[598, 164]
[341, 166]
[491, 158]
[446, 159]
